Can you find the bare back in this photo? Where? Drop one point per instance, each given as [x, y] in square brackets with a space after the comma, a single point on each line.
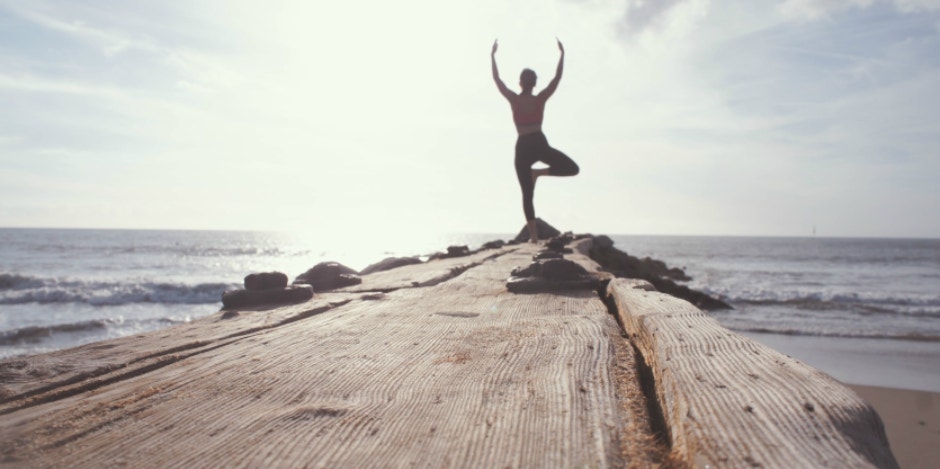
[527, 112]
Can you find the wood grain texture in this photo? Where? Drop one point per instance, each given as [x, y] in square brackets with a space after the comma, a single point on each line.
[44, 376]
[459, 374]
[731, 402]
[425, 274]
[29, 379]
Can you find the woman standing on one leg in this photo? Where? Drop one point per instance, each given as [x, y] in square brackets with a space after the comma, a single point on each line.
[527, 112]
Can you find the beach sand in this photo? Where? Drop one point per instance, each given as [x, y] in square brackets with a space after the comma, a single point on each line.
[912, 421]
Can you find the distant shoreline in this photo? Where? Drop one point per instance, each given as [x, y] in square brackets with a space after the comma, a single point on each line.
[505, 235]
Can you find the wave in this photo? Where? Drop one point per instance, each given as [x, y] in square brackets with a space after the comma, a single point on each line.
[14, 281]
[864, 303]
[910, 336]
[36, 334]
[19, 289]
[173, 250]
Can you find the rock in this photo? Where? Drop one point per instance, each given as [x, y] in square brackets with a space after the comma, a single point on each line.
[562, 269]
[531, 270]
[550, 275]
[458, 251]
[452, 251]
[389, 263]
[247, 298]
[327, 276]
[557, 243]
[547, 254]
[265, 280]
[545, 231]
[495, 244]
[697, 298]
[603, 242]
[654, 271]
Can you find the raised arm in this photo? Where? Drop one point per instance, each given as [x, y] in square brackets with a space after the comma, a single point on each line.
[499, 83]
[552, 85]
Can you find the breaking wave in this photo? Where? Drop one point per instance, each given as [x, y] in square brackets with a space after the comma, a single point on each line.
[927, 306]
[19, 289]
[912, 336]
[36, 334]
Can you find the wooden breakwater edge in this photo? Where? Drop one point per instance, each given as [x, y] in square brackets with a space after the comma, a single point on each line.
[439, 364]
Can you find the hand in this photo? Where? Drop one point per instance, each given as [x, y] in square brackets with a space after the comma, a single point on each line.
[495, 46]
[560, 46]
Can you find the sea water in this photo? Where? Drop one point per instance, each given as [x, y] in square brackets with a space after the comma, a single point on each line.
[866, 311]
[62, 288]
[828, 287]
[65, 287]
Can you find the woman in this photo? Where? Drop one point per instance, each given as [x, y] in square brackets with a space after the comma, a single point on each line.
[531, 146]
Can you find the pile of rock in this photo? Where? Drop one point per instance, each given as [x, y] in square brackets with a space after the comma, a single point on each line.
[266, 288]
[452, 251]
[550, 271]
[653, 271]
[544, 230]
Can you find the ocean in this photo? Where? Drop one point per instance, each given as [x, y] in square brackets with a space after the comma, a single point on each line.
[64, 287]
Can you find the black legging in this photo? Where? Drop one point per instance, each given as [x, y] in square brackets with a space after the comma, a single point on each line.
[529, 149]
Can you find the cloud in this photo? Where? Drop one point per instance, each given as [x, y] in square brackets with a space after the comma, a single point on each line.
[643, 17]
[110, 43]
[809, 10]
[641, 14]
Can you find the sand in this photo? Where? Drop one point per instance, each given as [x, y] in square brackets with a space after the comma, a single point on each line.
[912, 421]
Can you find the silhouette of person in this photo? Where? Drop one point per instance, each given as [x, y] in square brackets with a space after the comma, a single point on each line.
[531, 145]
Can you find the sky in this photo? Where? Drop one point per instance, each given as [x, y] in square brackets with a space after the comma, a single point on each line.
[686, 117]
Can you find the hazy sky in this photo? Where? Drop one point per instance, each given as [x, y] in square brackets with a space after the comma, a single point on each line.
[736, 117]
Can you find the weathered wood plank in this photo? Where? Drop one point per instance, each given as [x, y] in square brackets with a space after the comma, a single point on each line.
[731, 402]
[30, 377]
[462, 374]
[59, 372]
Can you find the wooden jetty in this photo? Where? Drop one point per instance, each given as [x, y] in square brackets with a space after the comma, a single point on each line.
[438, 365]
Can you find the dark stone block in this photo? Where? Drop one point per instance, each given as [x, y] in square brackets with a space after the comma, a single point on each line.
[248, 298]
[561, 269]
[550, 275]
[327, 276]
[495, 244]
[458, 251]
[603, 242]
[654, 271]
[545, 231]
[265, 280]
[547, 254]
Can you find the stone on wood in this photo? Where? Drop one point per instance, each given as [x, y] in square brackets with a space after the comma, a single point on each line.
[495, 244]
[327, 276]
[545, 231]
[247, 298]
[265, 280]
[549, 275]
[458, 251]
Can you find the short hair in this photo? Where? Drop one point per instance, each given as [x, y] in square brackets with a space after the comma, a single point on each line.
[527, 78]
